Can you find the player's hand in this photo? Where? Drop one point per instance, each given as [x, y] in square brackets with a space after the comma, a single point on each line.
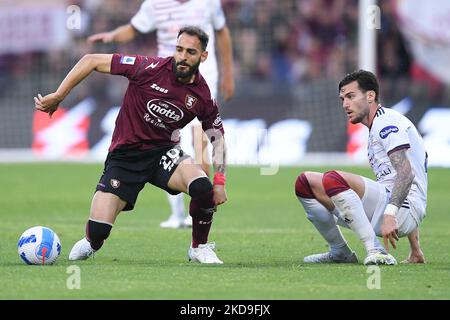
[105, 37]
[220, 195]
[48, 104]
[415, 256]
[227, 86]
[389, 231]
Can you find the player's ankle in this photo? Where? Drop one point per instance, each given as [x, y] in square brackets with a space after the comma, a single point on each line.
[341, 251]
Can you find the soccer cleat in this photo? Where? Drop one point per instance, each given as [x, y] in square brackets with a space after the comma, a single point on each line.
[81, 250]
[173, 223]
[204, 254]
[328, 257]
[378, 258]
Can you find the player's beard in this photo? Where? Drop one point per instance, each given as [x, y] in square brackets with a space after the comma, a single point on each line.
[359, 117]
[185, 76]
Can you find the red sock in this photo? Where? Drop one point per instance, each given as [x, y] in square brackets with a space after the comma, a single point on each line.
[201, 210]
[334, 183]
[302, 187]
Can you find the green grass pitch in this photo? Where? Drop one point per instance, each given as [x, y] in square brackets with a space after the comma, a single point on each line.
[261, 234]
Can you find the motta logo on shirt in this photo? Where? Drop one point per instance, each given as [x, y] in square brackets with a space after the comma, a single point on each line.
[164, 111]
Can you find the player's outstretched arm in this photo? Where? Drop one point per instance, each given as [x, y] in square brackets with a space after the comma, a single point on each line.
[402, 185]
[219, 164]
[87, 64]
[121, 34]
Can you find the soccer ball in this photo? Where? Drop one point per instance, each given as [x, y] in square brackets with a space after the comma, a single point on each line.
[39, 245]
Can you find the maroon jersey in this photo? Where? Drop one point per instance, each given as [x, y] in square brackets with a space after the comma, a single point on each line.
[156, 105]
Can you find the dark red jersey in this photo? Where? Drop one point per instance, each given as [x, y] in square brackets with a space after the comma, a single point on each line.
[156, 105]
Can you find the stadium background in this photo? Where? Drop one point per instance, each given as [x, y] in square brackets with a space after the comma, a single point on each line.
[289, 56]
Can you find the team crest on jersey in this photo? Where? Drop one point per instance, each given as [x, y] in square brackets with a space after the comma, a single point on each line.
[190, 101]
[114, 183]
[387, 131]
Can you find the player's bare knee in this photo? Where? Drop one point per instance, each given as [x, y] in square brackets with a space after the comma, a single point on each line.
[334, 183]
[315, 181]
[355, 182]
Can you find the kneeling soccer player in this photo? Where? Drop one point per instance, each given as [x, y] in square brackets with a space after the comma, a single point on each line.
[391, 207]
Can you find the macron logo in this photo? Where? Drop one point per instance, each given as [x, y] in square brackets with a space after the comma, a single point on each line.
[127, 60]
[387, 131]
[152, 65]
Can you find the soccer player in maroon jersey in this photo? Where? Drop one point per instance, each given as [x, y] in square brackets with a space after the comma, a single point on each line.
[164, 94]
[166, 17]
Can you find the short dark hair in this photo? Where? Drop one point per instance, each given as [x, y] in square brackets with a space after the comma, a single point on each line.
[366, 81]
[195, 31]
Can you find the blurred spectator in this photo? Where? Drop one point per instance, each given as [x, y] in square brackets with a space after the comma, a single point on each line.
[393, 57]
[274, 40]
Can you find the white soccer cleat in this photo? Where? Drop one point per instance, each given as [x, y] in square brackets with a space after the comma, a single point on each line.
[204, 254]
[328, 257]
[173, 223]
[378, 258]
[81, 250]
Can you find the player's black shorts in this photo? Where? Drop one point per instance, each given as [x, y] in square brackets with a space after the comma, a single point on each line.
[127, 171]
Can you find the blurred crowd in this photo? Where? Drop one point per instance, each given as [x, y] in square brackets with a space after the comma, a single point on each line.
[280, 40]
[296, 40]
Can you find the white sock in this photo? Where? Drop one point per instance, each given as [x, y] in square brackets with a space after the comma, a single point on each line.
[352, 212]
[176, 206]
[325, 223]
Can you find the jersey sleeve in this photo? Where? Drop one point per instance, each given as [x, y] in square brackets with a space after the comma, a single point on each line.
[393, 135]
[144, 20]
[211, 120]
[218, 16]
[129, 66]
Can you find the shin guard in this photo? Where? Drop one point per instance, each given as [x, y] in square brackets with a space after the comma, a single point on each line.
[97, 232]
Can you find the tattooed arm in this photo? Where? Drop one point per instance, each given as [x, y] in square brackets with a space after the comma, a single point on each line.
[404, 177]
[213, 127]
[219, 155]
[219, 164]
[402, 185]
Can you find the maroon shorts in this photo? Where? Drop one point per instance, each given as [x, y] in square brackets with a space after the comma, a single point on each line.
[127, 171]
